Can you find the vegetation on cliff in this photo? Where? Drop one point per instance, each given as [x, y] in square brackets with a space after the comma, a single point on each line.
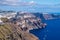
[11, 32]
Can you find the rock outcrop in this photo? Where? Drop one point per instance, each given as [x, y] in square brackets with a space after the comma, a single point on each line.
[12, 32]
[27, 21]
[17, 28]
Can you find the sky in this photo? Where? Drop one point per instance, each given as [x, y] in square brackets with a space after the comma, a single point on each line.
[31, 5]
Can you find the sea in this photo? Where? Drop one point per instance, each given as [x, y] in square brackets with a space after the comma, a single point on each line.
[51, 32]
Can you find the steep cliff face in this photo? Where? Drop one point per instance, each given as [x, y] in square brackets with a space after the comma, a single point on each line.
[27, 21]
[11, 32]
[17, 28]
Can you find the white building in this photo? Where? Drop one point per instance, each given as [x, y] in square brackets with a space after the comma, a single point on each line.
[1, 22]
[1, 16]
[28, 16]
[8, 15]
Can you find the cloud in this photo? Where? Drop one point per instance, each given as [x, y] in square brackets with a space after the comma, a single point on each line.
[16, 2]
[12, 0]
[31, 2]
[9, 2]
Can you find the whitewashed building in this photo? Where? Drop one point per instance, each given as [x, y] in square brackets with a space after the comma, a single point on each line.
[1, 22]
[8, 15]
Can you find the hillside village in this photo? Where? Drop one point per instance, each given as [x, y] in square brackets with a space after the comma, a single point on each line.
[16, 26]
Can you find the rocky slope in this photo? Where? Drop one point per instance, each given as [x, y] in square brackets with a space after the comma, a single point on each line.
[9, 31]
[27, 21]
[17, 28]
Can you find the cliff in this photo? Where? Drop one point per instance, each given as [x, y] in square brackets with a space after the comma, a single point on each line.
[27, 21]
[17, 28]
[11, 32]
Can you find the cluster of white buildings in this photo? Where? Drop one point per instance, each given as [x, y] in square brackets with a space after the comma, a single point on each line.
[1, 22]
[7, 15]
[27, 14]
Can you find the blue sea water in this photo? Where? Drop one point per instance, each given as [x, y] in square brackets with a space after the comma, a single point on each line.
[51, 32]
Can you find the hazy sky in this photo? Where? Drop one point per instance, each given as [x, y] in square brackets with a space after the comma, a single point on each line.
[31, 5]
